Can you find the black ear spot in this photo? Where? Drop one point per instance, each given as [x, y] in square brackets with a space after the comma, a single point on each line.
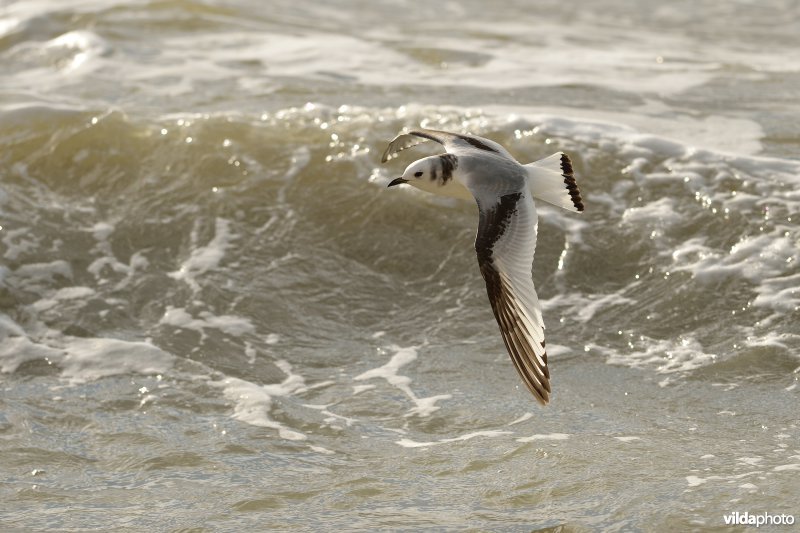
[418, 174]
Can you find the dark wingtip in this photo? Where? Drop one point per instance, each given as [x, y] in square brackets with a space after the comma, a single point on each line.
[544, 401]
[542, 396]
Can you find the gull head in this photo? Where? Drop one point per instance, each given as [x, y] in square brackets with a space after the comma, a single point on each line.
[418, 170]
[429, 173]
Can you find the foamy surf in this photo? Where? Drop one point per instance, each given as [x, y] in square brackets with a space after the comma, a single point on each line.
[390, 372]
[408, 443]
[253, 403]
[79, 359]
[206, 257]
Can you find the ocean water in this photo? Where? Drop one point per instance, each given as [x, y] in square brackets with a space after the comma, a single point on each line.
[215, 317]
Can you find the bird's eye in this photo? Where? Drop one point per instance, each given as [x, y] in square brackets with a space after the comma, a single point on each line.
[418, 174]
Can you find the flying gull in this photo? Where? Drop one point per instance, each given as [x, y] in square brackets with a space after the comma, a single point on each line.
[480, 169]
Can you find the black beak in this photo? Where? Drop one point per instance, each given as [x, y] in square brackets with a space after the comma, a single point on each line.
[397, 181]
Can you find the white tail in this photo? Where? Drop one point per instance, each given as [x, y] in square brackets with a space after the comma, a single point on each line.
[551, 179]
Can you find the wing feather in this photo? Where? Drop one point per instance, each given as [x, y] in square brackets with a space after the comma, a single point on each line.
[505, 243]
[528, 355]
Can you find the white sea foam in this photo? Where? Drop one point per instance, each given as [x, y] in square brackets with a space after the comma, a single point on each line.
[45, 65]
[628, 439]
[767, 261]
[754, 258]
[694, 481]
[774, 339]
[545, 436]
[332, 419]
[780, 293]
[659, 212]
[107, 267]
[586, 307]
[358, 389]
[320, 449]
[64, 294]
[751, 461]
[16, 348]
[76, 49]
[408, 443]
[80, 359]
[230, 324]
[252, 403]
[389, 372]
[8, 25]
[205, 258]
[523, 418]
[38, 277]
[18, 242]
[94, 358]
[102, 230]
[664, 355]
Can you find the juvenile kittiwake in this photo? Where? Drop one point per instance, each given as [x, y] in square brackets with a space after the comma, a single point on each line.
[480, 169]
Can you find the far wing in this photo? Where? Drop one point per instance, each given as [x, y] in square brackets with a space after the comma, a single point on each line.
[453, 143]
[400, 143]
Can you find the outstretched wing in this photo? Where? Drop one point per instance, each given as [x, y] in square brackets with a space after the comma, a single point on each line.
[454, 143]
[505, 244]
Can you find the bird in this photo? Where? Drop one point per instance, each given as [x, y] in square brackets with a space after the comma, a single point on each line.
[479, 169]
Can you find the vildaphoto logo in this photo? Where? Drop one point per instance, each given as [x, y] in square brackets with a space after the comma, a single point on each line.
[761, 519]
